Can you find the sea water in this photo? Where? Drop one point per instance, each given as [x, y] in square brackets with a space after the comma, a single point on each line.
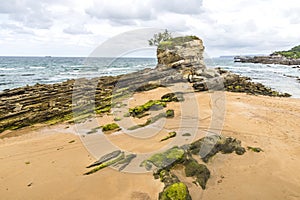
[22, 71]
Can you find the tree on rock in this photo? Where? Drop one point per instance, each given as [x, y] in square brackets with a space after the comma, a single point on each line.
[159, 37]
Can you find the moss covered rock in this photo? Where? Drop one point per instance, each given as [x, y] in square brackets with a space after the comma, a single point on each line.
[254, 149]
[110, 127]
[152, 104]
[176, 191]
[199, 171]
[168, 158]
[175, 97]
[170, 113]
[209, 146]
[106, 164]
[170, 135]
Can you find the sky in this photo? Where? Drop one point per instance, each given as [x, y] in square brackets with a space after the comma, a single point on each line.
[76, 27]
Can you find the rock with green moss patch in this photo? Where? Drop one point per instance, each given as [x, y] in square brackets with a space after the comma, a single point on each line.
[199, 171]
[106, 164]
[117, 119]
[148, 86]
[254, 149]
[126, 115]
[177, 41]
[110, 127]
[175, 97]
[168, 158]
[176, 191]
[152, 104]
[208, 146]
[166, 177]
[170, 135]
[170, 113]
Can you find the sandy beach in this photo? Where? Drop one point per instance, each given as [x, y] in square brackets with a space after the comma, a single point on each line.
[48, 162]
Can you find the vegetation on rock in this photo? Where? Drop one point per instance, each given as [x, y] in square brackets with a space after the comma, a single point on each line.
[178, 41]
[115, 158]
[110, 127]
[166, 159]
[293, 53]
[152, 104]
[254, 149]
[160, 37]
[106, 164]
[176, 191]
[175, 97]
[170, 135]
[199, 171]
[211, 145]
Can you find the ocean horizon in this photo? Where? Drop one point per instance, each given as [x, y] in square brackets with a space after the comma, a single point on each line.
[19, 71]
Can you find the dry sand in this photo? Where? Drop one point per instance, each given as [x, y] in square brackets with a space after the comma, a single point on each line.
[49, 162]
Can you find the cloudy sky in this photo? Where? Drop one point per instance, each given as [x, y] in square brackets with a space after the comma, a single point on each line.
[76, 27]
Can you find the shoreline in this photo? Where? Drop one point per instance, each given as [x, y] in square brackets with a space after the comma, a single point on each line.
[52, 103]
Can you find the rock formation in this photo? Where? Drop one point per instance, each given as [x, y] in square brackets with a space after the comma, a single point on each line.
[179, 60]
[271, 59]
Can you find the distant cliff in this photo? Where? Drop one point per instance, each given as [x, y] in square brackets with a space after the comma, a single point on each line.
[290, 57]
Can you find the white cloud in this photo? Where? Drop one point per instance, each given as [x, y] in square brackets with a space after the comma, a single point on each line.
[77, 29]
[66, 27]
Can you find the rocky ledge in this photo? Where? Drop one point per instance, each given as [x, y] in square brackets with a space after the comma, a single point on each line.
[179, 60]
[271, 59]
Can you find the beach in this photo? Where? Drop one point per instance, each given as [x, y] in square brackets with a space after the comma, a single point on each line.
[48, 162]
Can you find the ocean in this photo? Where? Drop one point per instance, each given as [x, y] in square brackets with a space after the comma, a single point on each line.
[22, 71]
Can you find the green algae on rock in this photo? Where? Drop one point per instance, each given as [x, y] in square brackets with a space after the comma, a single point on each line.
[176, 191]
[166, 159]
[106, 164]
[255, 149]
[110, 127]
[175, 97]
[105, 158]
[209, 146]
[170, 135]
[177, 41]
[152, 104]
[200, 171]
[116, 159]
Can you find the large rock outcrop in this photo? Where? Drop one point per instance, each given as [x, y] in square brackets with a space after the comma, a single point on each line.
[179, 60]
